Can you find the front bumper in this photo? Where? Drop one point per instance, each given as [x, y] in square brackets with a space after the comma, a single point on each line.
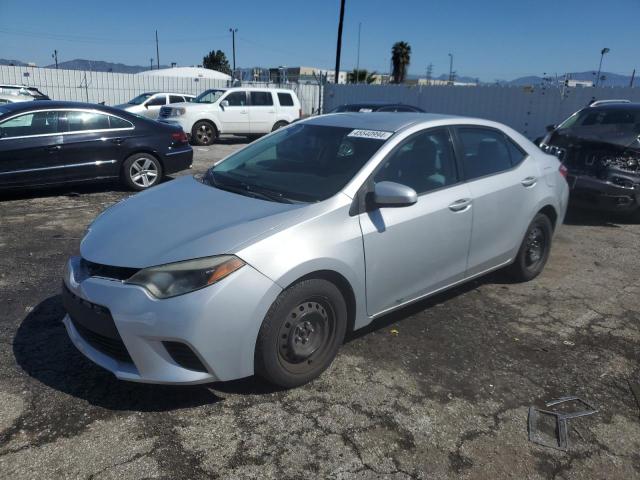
[219, 324]
[591, 192]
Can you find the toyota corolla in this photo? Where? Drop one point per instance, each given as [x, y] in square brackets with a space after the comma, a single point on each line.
[261, 265]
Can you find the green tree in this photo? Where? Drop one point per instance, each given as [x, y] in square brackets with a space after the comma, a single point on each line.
[400, 57]
[216, 60]
[361, 76]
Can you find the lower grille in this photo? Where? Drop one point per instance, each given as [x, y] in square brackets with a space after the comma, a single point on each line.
[184, 356]
[112, 347]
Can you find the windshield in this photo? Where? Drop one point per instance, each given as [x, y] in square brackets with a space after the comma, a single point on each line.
[139, 99]
[208, 96]
[618, 118]
[302, 163]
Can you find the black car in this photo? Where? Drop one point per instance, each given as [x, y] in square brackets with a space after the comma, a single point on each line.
[376, 107]
[600, 147]
[49, 142]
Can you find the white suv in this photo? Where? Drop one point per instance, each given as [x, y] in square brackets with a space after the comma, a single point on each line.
[237, 111]
[148, 104]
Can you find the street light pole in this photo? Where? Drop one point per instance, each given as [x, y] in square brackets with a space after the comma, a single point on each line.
[157, 52]
[450, 69]
[233, 43]
[602, 53]
[358, 57]
[339, 46]
[55, 57]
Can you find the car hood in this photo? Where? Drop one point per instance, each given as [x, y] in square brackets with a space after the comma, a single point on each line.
[180, 220]
[126, 106]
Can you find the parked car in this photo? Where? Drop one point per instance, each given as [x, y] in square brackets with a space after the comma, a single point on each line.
[9, 98]
[23, 90]
[262, 264]
[600, 147]
[376, 107]
[238, 111]
[149, 104]
[61, 142]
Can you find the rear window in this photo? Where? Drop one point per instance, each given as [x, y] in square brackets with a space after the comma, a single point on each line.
[77, 121]
[261, 99]
[117, 122]
[285, 99]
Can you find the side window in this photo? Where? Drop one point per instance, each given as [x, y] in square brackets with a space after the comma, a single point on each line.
[285, 99]
[116, 122]
[157, 101]
[236, 99]
[484, 152]
[261, 99]
[424, 162]
[37, 123]
[78, 121]
[176, 99]
[516, 153]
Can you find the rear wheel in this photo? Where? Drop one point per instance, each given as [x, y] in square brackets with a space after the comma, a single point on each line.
[141, 171]
[279, 125]
[301, 334]
[534, 250]
[204, 133]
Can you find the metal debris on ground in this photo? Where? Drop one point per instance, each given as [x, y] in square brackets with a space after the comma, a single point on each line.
[549, 428]
[394, 332]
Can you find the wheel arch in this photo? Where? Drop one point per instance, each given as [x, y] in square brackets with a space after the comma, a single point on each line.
[550, 211]
[136, 151]
[212, 121]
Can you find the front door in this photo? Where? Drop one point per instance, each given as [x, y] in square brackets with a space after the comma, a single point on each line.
[153, 105]
[415, 250]
[503, 183]
[262, 112]
[30, 149]
[234, 116]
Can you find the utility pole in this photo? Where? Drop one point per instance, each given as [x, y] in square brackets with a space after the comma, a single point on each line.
[157, 51]
[633, 77]
[339, 46]
[54, 55]
[358, 57]
[429, 73]
[602, 53]
[233, 46]
[450, 69]
[151, 60]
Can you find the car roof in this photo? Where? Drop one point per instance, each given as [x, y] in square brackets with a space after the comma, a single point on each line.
[614, 106]
[18, 107]
[386, 121]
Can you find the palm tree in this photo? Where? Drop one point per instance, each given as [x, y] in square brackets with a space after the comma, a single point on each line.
[400, 57]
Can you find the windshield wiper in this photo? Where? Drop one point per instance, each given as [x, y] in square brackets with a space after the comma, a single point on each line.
[244, 188]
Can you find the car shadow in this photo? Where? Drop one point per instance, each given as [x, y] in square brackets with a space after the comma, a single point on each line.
[63, 191]
[594, 218]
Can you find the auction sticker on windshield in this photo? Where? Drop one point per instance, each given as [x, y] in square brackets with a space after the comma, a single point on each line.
[375, 134]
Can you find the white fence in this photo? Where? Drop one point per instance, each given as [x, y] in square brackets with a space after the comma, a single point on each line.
[115, 88]
[527, 110]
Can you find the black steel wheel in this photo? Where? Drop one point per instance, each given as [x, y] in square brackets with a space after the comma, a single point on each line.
[534, 250]
[301, 334]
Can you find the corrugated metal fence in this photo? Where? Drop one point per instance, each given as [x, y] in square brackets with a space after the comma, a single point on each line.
[525, 109]
[114, 88]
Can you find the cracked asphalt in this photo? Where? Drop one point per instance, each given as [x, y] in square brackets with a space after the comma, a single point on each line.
[444, 397]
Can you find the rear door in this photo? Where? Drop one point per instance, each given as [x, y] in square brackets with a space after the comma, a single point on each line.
[93, 143]
[262, 111]
[30, 146]
[414, 250]
[234, 117]
[503, 188]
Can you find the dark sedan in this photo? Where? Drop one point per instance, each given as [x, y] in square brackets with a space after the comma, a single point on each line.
[376, 107]
[46, 143]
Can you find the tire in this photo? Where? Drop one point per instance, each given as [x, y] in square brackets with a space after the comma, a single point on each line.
[279, 125]
[534, 250]
[204, 133]
[301, 333]
[141, 171]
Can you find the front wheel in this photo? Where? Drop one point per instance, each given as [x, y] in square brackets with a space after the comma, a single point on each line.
[301, 333]
[141, 171]
[534, 250]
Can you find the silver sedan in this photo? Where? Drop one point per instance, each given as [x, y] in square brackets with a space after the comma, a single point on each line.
[263, 264]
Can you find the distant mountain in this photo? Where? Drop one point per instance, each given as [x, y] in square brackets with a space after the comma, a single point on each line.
[611, 79]
[100, 66]
[17, 63]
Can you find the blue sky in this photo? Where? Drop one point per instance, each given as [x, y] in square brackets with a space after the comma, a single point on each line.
[491, 39]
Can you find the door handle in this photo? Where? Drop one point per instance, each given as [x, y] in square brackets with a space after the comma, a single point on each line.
[529, 181]
[54, 148]
[117, 141]
[460, 205]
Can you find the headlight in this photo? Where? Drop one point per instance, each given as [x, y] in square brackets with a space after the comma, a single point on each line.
[170, 280]
[179, 111]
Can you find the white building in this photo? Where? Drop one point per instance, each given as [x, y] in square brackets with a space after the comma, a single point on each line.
[188, 72]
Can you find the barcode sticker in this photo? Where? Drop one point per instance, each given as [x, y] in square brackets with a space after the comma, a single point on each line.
[374, 134]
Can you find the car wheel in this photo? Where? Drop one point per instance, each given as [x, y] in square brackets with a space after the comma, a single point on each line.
[534, 250]
[141, 171]
[279, 125]
[301, 333]
[204, 133]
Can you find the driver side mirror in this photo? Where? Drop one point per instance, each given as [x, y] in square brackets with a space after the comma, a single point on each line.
[224, 104]
[392, 194]
[550, 128]
[146, 105]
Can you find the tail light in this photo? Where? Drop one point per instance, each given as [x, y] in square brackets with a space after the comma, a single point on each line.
[563, 171]
[179, 137]
[299, 113]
